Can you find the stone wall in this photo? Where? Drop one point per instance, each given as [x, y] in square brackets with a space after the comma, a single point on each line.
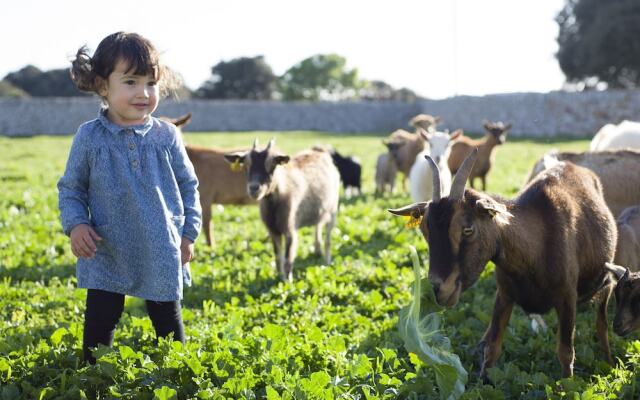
[532, 114]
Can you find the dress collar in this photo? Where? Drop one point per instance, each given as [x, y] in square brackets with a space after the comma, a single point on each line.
[140, 129]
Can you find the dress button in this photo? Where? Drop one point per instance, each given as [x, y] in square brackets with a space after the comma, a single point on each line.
[135, 163]
[132, 146]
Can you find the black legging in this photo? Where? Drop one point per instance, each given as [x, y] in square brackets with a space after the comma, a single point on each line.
[103, 312]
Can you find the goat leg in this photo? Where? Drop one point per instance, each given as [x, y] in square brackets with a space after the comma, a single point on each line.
[602, 300]
[291, 246]
[317, 246]
[278, 250]
[567, 323]
[327, 238]
[206, 223]
[492, 339]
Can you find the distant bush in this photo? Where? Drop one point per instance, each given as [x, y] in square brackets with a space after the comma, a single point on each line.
[8, 90]
[37, 83]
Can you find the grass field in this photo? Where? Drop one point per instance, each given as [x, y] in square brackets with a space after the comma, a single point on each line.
[330, 334]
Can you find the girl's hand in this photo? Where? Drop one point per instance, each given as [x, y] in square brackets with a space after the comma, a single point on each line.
[82, 241]
[186, 250]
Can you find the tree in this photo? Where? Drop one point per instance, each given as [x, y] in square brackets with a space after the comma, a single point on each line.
[320, 77]
[382, 91]
[55, 82]
[599, 41]
[8, 90]
[240, 78]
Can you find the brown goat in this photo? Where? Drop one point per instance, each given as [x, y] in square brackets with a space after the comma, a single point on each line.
[403, 148]
[217, 183]
[293, 193]
[617, 170]
[628, 247]
[424, 121]
[496, 134]
[627, 293]
[550, 246]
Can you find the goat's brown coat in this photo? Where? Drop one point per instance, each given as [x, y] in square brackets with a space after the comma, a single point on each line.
[465, 145]
[550, 246]
[218, 184]
[618, 171]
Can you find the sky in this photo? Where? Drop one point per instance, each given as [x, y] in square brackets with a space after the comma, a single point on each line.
[437, 48]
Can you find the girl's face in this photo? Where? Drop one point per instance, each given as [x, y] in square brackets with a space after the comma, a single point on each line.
[131, 98]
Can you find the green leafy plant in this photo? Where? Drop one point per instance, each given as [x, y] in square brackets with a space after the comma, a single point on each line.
[423, 336]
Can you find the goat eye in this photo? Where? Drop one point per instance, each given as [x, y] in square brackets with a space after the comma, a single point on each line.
[467, 231]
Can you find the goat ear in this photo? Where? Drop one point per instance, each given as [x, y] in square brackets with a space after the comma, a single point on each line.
[280, 159]
[181, 121]
[507, 127]
[496, 210]
[236, 157]
[486, 124]
[436, 119]
[618, 271]
[455, 135]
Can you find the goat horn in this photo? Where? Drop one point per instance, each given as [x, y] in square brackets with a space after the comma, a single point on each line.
[255, 144]
[460, 180]
[271, 142]
[437, 189]
[617, 270]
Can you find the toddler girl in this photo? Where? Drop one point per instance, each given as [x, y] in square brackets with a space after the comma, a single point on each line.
[128, 198]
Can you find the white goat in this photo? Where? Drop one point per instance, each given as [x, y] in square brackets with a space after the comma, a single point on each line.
[611, 137]
[420, 176]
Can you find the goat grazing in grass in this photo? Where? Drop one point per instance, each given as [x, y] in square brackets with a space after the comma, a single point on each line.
[550, 246]
[617, 170]
[496, 134]
[293, 193]
[627, 294]
[386, 172]
[420, 176]
[614, 137]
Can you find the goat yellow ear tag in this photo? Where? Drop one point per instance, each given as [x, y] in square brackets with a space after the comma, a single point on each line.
[414, 221]
[235, 166]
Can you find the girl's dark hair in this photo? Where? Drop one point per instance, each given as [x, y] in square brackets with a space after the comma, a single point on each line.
[89, 73]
